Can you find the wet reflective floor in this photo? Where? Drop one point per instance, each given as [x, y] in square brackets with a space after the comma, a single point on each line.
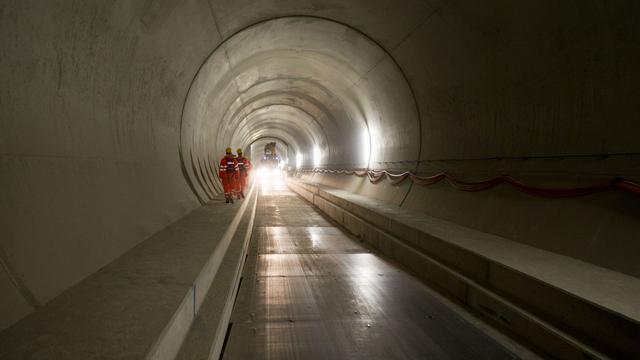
[310, 291]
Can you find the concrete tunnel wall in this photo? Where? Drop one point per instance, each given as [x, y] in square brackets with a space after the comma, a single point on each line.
[114, 115]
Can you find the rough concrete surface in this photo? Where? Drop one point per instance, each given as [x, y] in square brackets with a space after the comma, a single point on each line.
[122, 311]
[113, 116]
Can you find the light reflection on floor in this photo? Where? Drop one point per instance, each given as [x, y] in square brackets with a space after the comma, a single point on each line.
[310, 291]
[271, 182]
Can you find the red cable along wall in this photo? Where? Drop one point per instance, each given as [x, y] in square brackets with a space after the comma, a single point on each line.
[375, 176]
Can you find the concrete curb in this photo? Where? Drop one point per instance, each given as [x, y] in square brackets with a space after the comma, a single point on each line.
[216, 348]
[170, 340]
[469, 281]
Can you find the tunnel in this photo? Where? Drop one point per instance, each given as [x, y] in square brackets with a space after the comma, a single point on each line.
[455, 179]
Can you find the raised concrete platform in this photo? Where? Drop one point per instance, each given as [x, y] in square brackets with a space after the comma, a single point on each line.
[143, 304]
[563, 306]
[207, 334]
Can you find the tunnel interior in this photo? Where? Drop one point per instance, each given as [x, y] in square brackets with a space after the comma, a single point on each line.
[115, 116]
[326, 89]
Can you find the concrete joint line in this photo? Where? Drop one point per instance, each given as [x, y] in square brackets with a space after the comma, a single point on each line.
[17, 282]
[415, 28]
[168, 344]
[194, 301]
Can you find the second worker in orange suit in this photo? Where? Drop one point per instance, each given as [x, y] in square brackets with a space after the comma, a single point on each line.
[244, 165]
[229, 175]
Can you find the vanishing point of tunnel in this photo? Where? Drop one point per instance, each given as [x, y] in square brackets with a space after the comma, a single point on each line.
[319, 179]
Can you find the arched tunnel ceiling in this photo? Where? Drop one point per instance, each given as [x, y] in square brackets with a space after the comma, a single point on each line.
[297, 119]
[307, 96]
[310, 78]
[276, 130]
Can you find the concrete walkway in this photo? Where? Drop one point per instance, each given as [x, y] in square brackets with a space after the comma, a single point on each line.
[310, 291]
[142, 304]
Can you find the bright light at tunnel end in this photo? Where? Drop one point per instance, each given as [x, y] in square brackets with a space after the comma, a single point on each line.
[268, 176]
[317, 156]
[299, 159]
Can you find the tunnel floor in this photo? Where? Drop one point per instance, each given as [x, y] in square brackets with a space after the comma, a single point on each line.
[310, 291]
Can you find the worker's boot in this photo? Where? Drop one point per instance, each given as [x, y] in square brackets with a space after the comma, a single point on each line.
[242, 194]
[226, 198]
[231, 199]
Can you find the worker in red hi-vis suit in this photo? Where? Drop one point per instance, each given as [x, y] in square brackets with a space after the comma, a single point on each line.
[244, 166]
[229, 175]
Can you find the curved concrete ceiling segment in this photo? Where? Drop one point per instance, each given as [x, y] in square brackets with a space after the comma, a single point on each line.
[297, 120]
[277, 131]
[306, 79]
